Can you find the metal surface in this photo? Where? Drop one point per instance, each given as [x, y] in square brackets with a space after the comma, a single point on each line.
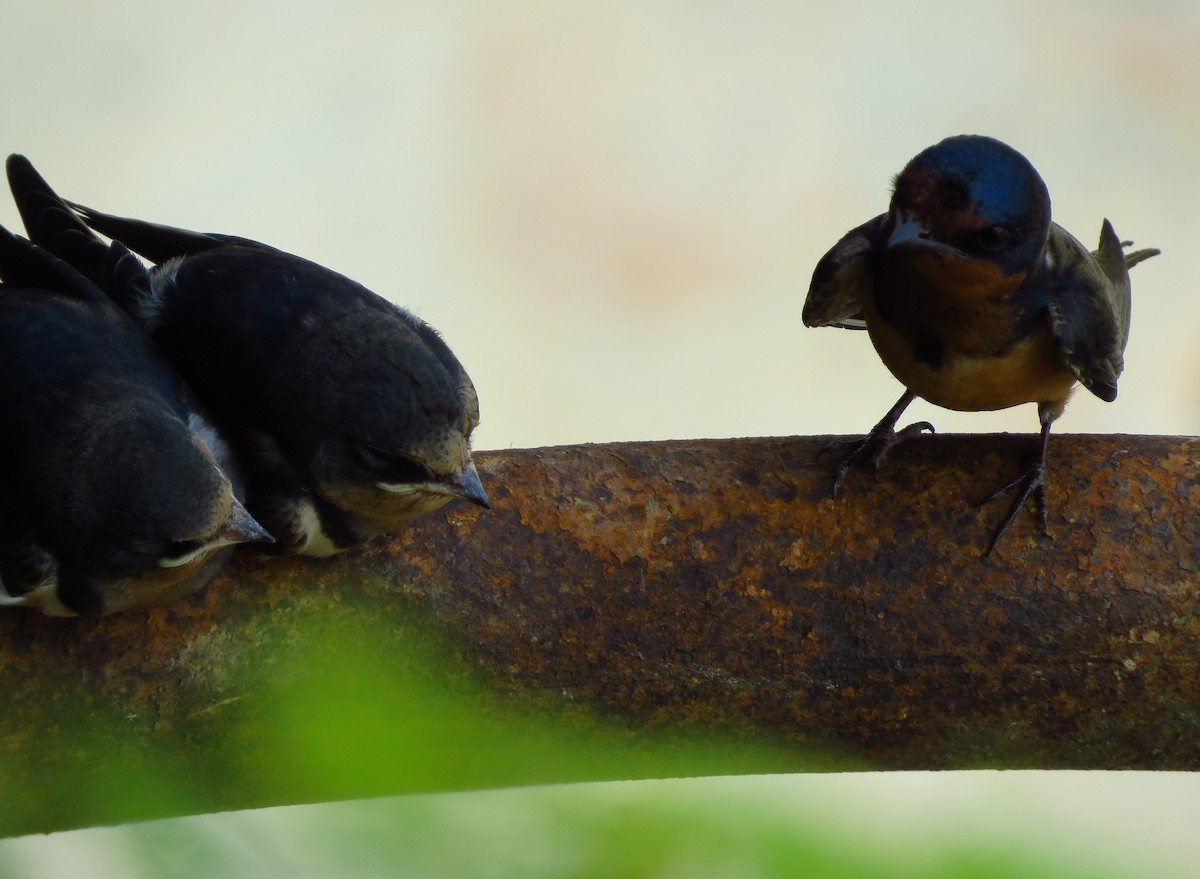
[660, 589]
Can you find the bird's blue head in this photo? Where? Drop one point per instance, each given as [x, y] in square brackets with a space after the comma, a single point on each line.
[975, 196]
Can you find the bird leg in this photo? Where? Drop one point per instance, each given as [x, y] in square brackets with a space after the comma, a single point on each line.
[875, 444]
[1031, 481]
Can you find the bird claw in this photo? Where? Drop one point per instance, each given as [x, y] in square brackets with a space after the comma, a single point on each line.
[872, 448]
[1032, 481]
[915, 429]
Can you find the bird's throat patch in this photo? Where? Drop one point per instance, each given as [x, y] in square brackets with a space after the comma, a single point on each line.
[929, 349]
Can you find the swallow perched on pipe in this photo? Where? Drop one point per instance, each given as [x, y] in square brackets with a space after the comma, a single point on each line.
[348, 414]
[115, 491]
[976, 300]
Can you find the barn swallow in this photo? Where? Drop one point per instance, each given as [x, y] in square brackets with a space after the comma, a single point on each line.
[115, 492]
[976, 301]
[348, 414]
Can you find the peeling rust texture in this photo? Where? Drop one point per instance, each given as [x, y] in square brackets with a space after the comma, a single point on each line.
[718, 583]
[715, 585]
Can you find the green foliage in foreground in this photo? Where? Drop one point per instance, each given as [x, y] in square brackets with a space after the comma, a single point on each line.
[318, 702]
[326, 702]
[593, 831]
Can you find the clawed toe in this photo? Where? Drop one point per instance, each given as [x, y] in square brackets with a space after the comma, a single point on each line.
[915, 429]
[861, 450]
[872, 448]
[1031, 482]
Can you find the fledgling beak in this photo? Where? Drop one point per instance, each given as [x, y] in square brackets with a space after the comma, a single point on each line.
[243, 528]
[466, 485]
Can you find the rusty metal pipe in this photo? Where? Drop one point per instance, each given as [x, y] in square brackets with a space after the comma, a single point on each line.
[647, 591]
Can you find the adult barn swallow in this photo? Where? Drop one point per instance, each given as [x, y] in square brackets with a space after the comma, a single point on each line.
[115, 492]
[348, 414]
[975, 300]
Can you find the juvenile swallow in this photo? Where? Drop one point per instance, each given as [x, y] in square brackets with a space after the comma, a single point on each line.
[975, 300]
[115, 493]
[348, 414]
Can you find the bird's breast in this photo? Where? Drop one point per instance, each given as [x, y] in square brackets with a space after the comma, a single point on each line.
[960, 334]
[1030, 370]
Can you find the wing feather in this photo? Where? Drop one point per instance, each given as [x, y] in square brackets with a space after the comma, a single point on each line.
[839, 282]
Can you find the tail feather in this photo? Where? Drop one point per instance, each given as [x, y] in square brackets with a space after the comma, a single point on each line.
[1111, 255]
[54, 227]
[50, 223]
[155, 242]
[24, 264]
[1132, 259]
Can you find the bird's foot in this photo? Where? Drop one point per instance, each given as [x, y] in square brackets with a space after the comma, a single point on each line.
[871, 449]
[1031, 482]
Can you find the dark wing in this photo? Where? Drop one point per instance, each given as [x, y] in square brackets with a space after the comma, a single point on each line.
[839, 282]
[48, 220]
[69, 232]
[53, 226]
[155, 242]
[1089, 306]
[63, 226]
[24, 264]
[458, 375]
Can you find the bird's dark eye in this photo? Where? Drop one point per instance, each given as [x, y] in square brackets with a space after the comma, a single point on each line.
[179, 548]
[150, 549]
[993, 238]
[181, 552]
[387, 467]
[136, 555]
[161, 549]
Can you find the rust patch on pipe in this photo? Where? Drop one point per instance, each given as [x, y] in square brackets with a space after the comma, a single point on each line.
[715, 585]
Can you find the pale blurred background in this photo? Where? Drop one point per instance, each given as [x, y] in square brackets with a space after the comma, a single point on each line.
[611, 210]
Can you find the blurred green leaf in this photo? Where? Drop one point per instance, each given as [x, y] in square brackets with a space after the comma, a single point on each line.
[586, 831]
